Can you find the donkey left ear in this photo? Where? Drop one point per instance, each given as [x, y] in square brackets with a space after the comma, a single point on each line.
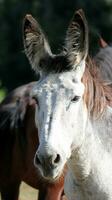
[77, 39]
[36, 46]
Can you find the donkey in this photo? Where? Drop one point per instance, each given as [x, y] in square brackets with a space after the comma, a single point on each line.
[73, 112]
[18, 144]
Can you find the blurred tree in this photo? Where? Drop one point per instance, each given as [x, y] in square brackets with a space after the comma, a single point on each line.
[54, 16]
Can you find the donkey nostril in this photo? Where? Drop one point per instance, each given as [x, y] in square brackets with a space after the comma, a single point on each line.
[57, 159]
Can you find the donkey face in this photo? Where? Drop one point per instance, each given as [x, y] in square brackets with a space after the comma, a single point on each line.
[60, 114]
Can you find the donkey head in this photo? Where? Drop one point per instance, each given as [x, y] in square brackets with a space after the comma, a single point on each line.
[60, 114]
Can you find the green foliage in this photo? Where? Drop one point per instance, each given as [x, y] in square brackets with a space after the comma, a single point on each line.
[2, 94]
[54, 16]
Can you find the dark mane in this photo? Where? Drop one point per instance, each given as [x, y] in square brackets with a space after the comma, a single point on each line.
[56, 64]
[13, 107]
[98, 93]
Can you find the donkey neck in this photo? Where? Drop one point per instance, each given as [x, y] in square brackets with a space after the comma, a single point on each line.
[91, 163]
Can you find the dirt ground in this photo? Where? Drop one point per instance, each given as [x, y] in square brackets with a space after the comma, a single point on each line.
[26, 192]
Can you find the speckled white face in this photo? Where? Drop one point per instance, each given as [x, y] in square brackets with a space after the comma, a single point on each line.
[60, 121]
[60, 113]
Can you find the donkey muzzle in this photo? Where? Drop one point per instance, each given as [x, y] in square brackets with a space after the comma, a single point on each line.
[47, 161]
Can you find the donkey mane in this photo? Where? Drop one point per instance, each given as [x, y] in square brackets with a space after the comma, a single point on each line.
[97, 91]
[55, 64]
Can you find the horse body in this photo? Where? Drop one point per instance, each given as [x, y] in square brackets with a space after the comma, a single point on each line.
[18, 143]
[74, 112]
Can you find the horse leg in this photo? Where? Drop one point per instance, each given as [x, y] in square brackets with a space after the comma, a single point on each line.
[10, 192]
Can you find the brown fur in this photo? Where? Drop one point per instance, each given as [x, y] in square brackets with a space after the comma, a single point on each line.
[97, 93]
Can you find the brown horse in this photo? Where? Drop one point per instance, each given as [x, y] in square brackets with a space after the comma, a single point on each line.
[18, 144]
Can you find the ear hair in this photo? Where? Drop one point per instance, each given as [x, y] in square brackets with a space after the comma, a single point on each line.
[77, 39]
[35, 44]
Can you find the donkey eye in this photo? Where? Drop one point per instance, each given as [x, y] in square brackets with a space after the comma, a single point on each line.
[75, 99]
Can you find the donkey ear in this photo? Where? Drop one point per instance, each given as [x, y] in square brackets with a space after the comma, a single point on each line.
[36, 46]
[77, 39]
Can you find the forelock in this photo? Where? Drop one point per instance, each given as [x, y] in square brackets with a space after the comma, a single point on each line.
[55, 64]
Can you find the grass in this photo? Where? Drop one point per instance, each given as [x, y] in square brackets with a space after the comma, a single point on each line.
[27, 192]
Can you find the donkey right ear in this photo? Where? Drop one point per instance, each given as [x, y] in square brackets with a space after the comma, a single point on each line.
[36, 46]
[77, 39]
